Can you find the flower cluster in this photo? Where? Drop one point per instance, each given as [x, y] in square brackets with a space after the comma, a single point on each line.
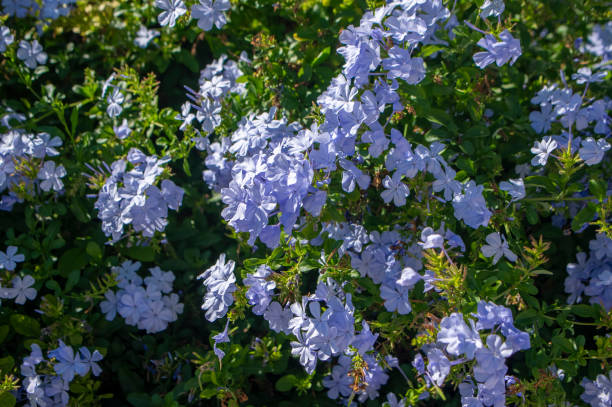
[506, 49]
[43, 10]
[456, 338]
[220, 282]
[379, 257]
[49, 385]
[592, 275]
[323, 326]
[572, 111]
[600, 42]
[131, 196]
[217, 81]
[598, 392]
[23, 165]
[207, 12]
[150, 306]
[274, 163]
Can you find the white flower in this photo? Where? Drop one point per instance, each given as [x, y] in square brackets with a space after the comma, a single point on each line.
[497, 247]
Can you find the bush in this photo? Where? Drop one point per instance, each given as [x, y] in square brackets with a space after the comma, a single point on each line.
[305, 203]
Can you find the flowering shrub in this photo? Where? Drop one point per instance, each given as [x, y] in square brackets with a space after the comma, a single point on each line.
[392, 203]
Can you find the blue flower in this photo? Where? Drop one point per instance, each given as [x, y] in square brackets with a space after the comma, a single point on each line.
[173, 9]
[458, 337]
[438, 366]
[508, 49]
[6, 38]
[592, 151]
[21, 290]
[67, 362]
[278, 317]
[260, 290]
[115, 99]
[210, 12]
[515, 187]
[471, 206]
[492, 8]
[89, 359]
[395, 190]
[31, 53]
[497, 247]
[221, 337]
[542, 150]
[219, 279]
[400, 65]
[10, 259]
[143, 37]
[598, 393]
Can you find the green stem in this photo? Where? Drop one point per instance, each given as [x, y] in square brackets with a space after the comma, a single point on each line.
[552, 198]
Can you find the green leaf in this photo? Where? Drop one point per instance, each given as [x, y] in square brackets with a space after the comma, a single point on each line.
[286, 383]
[53, 285]
[598, 188]
[93, 249]
[24, 325]
[139, 399]
[7, 399]
[323, 55]
[74, 120]
[430, 49]
[186, 166]
[585, 215]
[140, 253]
[72, 259]
[532, 214]
[540, 181]
[73, 279]
[585, 311]
[6, 364]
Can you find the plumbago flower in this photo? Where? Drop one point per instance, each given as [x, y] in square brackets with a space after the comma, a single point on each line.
[265, 171]
[150, 306]
[592, 275]
[51, 386]
[507, 49]
[219, 279]
[31, 53]
[10, 258]
[131, 196]
[21, 290]
[280, 183]
[173, 9]
[497, 247]
[456, 338]
[598, 393]
[209, 12]
[32, 151]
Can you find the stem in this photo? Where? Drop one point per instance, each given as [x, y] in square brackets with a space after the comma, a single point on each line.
[554, 199]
